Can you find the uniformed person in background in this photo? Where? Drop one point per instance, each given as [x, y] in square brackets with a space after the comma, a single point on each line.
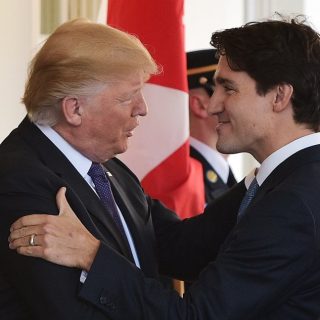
[217, 173]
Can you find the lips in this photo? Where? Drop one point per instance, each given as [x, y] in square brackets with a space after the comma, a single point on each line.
[130, 131]
[221, 124]
[129, 134]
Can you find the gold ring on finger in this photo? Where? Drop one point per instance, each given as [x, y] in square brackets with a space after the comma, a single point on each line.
[32, 241]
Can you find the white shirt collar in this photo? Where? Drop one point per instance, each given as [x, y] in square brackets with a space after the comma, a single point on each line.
[215, 159]
[277, 157]
[79, 161]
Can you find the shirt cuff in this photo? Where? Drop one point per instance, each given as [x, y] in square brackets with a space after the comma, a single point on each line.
[83, 276]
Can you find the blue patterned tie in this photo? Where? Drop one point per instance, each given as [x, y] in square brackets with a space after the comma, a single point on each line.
[103, 189]
[251, 192]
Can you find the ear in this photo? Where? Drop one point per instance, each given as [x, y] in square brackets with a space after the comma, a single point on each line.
[283, 95]
[197, 107]
[72, 110]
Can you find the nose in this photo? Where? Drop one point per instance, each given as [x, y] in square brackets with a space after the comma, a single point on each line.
[140, 106]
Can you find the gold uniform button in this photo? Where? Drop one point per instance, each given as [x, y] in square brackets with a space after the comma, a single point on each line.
[212, 176]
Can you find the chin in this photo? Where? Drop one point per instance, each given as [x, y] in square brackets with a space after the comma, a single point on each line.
[122, 149]
[226, 148]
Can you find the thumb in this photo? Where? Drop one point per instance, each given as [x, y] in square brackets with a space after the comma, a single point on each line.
[62, 203]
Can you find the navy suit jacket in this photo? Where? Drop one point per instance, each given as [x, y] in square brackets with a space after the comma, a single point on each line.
[268, 267]
[32, 170]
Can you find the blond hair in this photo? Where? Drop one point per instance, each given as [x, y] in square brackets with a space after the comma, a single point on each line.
[79, 56]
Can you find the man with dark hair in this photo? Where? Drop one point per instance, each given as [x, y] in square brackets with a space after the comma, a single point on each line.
[267, 99]
[217, 174]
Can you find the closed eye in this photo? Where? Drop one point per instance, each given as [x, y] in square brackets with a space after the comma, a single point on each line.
[128, 99]
[125, 101]
[229, 89]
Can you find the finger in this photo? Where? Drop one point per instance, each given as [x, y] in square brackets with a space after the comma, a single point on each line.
[38, 240]
[35, 251]
[24, 232]
[20, 242]
[62, 203]
[30, 220]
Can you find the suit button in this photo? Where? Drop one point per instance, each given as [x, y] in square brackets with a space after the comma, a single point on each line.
[108, 304]
[111, 305]
[103, 300]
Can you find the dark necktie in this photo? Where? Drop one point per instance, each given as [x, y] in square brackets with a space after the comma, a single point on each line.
[103, 189]
[251, 192]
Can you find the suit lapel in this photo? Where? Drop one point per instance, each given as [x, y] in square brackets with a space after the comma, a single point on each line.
[134, 210]
[53, 158]
[280, 173]
[97, 210]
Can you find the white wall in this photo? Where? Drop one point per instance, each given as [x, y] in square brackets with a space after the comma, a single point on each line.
[17, 38]
[262, 9]
[203, 17]
[312, 10]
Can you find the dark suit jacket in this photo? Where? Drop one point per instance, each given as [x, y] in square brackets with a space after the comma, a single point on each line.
[214, 186]
[32, 169]
[268, 267]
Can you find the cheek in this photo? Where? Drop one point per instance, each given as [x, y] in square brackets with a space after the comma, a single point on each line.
[114, 130]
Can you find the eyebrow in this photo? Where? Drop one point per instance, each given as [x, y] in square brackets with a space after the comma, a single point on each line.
[222, 81]
[128, 95]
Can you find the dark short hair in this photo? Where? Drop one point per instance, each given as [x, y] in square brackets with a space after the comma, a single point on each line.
[274, 52]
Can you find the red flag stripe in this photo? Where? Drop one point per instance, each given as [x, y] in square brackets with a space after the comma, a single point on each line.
[156, 23]
[161, 133]
[159, 150]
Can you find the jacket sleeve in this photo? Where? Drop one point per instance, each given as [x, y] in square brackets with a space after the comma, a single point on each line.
[185, 247]
[36, 288]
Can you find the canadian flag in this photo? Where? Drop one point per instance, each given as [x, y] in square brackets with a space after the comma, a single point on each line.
[159, 151]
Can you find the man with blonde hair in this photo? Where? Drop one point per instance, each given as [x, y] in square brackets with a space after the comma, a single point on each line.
[84, 99]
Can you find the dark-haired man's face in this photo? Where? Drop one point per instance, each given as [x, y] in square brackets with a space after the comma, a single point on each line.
[245, 117]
